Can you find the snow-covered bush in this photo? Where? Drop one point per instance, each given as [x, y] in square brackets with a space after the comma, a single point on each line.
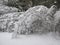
[49, 22]
[37, 19]
[31, 20]
[57, 21]
[3, 25]
[5, 9]
[7, 20]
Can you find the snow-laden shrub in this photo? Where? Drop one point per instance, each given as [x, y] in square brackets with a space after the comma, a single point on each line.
[57, 21]
[7, 20]
[5, 9]
[3, 25]
[31, 20]
[36, 19]
[49, 22]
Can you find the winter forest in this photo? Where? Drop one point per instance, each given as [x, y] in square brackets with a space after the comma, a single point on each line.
[29, 22]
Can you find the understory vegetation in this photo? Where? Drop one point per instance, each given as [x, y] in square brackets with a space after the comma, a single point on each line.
[28, 16]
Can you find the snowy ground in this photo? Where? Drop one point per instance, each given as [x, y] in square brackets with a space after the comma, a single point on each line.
[47, 39]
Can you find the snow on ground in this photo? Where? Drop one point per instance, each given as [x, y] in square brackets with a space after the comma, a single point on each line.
[46, 39]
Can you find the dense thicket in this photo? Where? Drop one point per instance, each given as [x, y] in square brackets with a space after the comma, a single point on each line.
[25, 4]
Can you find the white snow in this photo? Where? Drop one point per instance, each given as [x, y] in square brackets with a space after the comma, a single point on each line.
[46, 39]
